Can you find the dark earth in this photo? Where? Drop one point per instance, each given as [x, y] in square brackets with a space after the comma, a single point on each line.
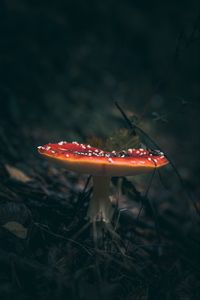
[116, 74]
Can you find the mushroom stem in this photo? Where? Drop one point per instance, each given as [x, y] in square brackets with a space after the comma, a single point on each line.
[100, 207]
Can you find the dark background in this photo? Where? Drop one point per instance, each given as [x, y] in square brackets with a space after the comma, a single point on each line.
[63, 64]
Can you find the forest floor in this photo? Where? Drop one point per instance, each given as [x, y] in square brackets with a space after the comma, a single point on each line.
[49, 251]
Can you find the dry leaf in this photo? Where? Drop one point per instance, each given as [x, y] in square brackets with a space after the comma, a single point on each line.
[17, 174]
[16, 228]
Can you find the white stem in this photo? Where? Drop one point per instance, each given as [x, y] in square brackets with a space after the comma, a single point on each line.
[100, 207]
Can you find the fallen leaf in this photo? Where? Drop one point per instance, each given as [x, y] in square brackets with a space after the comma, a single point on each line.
[16, 228]
[17, 174]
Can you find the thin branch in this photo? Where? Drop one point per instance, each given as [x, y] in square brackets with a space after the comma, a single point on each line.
[134, 127]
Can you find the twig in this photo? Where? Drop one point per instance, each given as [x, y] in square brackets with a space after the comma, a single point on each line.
[62, 237]
[134, 127]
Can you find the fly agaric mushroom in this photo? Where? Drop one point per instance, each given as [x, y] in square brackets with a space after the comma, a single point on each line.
[102, 165]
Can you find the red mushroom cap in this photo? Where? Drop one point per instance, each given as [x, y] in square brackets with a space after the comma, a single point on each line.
[90, 160]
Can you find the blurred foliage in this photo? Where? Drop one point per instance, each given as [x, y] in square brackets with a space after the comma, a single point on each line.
[120, 140]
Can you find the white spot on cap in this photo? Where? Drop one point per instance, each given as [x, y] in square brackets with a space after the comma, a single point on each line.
[110, 160]
[61, 143]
